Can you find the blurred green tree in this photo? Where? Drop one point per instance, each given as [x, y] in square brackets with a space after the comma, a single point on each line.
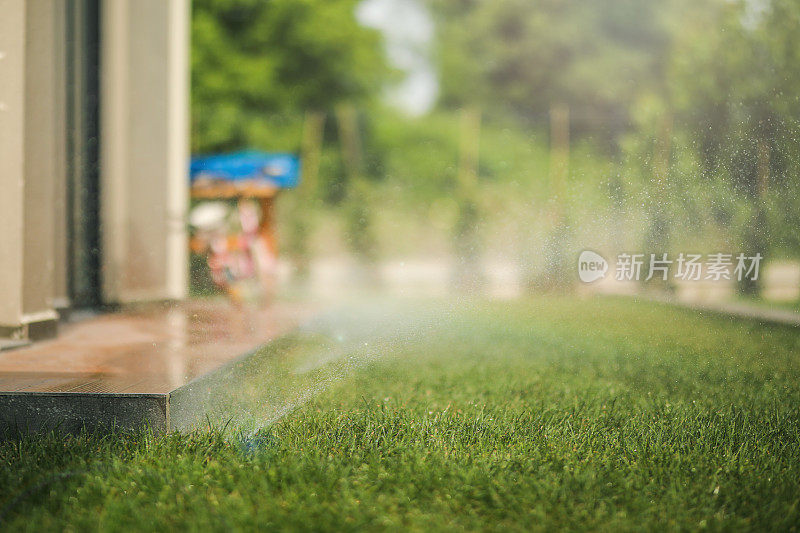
[734, 82]
[516, 58]
[258, 66]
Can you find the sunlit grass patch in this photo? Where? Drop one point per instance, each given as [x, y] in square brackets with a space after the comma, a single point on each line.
[534, 414]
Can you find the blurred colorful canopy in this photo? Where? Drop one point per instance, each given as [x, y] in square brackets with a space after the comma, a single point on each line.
[281, 170]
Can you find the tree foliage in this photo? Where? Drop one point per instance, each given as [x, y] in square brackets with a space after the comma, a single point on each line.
[257, 65]
[516, 57]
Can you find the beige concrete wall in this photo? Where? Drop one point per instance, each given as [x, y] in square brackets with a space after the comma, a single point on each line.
[12, 157]
[144, 139]
[144, 148]
[40, 172]
[29, 150]
[60, 283]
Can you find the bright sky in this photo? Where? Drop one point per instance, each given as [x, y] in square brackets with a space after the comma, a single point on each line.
[408, 29]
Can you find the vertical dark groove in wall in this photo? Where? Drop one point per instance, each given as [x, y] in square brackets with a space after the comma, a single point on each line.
[83, 149]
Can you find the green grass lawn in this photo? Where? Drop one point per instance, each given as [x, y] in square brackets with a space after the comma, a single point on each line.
[525, 415]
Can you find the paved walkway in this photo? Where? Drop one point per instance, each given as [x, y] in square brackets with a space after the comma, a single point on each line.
[153, 350]
[132, 369]
[743, 310]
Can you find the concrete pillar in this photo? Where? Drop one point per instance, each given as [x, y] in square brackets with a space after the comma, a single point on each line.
[40, 161]
[28, 170]
[60, 272]
[144, 148]
[12, 160]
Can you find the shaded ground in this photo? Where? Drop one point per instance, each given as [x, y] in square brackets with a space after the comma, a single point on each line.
[532, 414]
